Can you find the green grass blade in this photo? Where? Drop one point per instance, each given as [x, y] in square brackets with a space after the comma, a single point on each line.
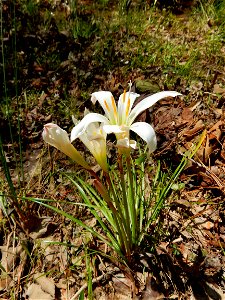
[163, 192]
[89, 277]
[70, 217]
[6, 171]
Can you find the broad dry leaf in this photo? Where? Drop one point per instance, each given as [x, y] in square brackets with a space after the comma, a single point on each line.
[215, 131]
[151, 292]
[217, 89]
[9, 255]
[124, 287]
[207, 150]
[35, 292]
[46, 284]
[5, 281]
[187, 115]
[198, 127]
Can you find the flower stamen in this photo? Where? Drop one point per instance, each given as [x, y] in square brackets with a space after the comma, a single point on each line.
[114, 107]
[128, 107]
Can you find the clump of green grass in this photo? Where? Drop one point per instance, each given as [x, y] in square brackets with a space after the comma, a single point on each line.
[150, 37]
[136, 41]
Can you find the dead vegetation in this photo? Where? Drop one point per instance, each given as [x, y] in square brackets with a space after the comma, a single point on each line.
[62, 54]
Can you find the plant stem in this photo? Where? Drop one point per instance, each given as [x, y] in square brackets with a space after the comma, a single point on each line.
[121, 220]
[124, 194]
[132, 202]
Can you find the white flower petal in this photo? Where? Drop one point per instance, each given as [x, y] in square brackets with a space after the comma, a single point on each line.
[108, 104]
[147, 133]
[126, 143]
[123, 143]
[148, 102]
[100, 96]
[95, 132]
[113, 129]
[57, 137]
[94, 138]
[133, 144]
[88, 119]
[125, 103]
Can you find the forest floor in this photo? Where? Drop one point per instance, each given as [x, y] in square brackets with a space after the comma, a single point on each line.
[54, 55]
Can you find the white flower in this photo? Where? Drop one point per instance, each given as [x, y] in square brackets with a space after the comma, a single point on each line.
[57, 137]
[120, 119]
[94, 138]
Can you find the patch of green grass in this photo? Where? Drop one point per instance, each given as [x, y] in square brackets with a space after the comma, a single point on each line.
[175, 250]
[137, 41]
[148, 38]
[83, 28]
[103, 41]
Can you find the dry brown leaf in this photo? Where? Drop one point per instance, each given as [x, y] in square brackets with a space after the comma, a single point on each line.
[35, 292]
[187, 115]
[207, 150]
[193, 106]
[9, 255]
[217, 89]
[192, 132]
[5, 281]
[185, 118]
[21, 266]
[222, 154]
[41, 99]
[47, 118]
[151, 292]
[46, 284]
[215, 131]
[208, 225]
[124, 287]
[185, 251]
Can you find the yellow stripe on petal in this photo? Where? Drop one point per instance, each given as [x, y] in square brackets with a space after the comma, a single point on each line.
[128, 107]
[114, 107]
[106, 105]
[124, 96]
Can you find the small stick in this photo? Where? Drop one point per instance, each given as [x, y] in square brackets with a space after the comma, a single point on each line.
[86, 285]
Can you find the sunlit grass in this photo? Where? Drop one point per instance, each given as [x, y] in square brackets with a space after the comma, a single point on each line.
[148, 38]
[136, 40]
